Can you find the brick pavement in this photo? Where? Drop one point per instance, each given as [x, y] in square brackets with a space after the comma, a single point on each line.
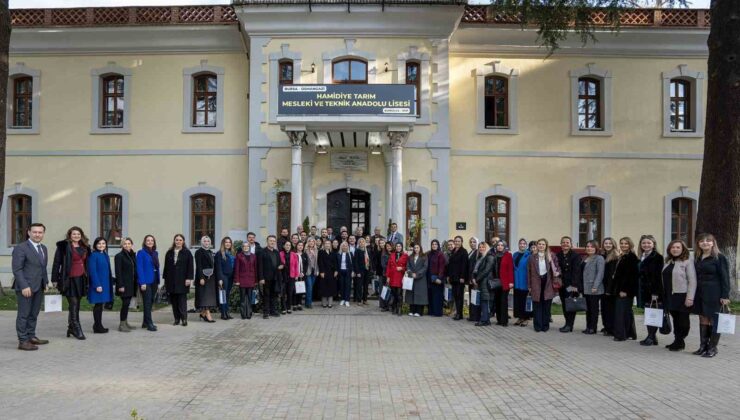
[358, 363]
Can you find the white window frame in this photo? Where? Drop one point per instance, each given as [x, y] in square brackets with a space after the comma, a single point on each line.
[682, 192]
[349, 51]
[425, 98]
[605, 95]
[696, 97]
[109, 188]
[513, 211]
[187, 98]
[590, 191]
[97, 76]
[274, 77]
[5, 247]
[495, 68]
[202, 188]
[14, 72]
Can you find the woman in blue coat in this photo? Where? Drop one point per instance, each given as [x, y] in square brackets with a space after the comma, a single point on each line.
[99, 292]
[521, 290]
[147, 273]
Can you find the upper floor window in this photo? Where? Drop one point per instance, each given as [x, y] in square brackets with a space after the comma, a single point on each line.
[349, 70]
[285, 68]
[590, 220]
[680, 106]
[682, 220]
[112, 102]
[413, 77]
[110, 217]
[496, 106]
[22, 102]
[20, 217]
[202, 217]
[283, 210]
[205, 100]
[497, 212]
[589, 104]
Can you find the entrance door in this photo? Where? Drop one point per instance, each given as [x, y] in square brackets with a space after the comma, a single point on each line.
[348, 209]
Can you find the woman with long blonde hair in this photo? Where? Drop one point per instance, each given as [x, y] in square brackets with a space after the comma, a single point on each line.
[712, 291]
[610, 251]
[224, 262]
[543, 280]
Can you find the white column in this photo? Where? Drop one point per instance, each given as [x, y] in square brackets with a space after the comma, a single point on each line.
[307, 178]
[388, 160]
[397, 141]
[295, 179]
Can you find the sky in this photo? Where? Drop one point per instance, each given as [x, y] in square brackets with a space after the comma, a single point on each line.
[22, 4]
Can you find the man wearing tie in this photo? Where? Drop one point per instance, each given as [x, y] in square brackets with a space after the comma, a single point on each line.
[29, 263]
[395, 237]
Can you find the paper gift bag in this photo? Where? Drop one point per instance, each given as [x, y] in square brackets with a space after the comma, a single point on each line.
[724, 323]
[408, 283]
[475, 297]
[528, 304]
[510, 300]
[255, 296]
[222, 296]
[385, 293]
[52, 303]
[448, 294]
[300, 287]
[653, 317]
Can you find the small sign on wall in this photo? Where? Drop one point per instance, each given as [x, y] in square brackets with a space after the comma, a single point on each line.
[461, 226]
[348, 161]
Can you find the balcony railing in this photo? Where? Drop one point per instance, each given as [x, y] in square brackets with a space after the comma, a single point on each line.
[113, 16]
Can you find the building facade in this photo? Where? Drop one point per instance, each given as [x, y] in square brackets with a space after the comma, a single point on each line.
[137, 120]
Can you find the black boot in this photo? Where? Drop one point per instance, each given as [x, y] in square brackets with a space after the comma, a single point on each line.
[76, 328]
[651, 339]
[712, 347]
[705, 331]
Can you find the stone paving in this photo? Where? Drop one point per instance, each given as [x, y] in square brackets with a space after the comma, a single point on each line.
[357, 363]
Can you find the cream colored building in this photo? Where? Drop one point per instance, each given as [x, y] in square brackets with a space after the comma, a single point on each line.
[130, 121]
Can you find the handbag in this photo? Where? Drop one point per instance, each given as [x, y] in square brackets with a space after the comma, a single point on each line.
[575, 304]
[300, 287]
[385, 293]
[52, 303]
[408, 283]
[666, 327]
[493, 284]
[448, 294]
[653, 316]
[222, 296]
[475, 297]
[724, 321]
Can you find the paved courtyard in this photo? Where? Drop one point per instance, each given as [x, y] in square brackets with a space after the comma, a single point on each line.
[357, 363]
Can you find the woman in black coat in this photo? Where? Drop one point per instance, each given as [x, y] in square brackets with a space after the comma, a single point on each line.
[69, 275]
[611, 255]
[625, 289]
[474, 311]
[126, 281]
[326, 280]
[712, 290]
[650, 292]
[178, 274]
[206, 290]
[457, 275]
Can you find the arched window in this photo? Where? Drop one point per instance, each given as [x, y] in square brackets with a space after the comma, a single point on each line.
[285, 71]
[590, 220]
[283, 210]
[496, 105]
[589, 104]
[205, 88]
[413, 215]
[680, 105]
[110, 217]
[112, 102]
[682, 220]
[202, 217]
[413, 77]
[20, 217]
[349, 70]
[22, 102]
[497, 213]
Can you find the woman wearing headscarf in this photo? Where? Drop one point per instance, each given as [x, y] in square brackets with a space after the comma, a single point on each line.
[224, 262]
[474, 311]
[435, 273]
[504, 271]
[481, 276]
[206, 290]
[520, 281]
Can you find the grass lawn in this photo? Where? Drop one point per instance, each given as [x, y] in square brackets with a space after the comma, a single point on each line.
[8, 303]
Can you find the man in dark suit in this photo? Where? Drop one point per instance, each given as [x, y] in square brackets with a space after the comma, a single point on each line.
[29, 263]
[268, 262]
[395, 237]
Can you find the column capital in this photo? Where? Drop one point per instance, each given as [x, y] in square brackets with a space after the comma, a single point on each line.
[296, 138]
[387, 155]
[398, 138]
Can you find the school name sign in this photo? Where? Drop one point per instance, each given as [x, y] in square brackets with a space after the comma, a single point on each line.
[346, 100]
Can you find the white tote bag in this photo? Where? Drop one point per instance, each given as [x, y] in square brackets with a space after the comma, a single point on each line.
[300, 287]
[653, 317]
[725, 323]
[448, 294]
[408, 283]
[222, 296]
[52, 303]
[385, 293]
[475, 297]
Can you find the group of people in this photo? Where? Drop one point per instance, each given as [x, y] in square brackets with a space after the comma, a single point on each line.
[293, 270]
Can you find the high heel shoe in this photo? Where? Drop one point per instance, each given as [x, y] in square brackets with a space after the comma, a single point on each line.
[203, 318]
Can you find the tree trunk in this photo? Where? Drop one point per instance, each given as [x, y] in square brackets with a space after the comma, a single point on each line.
[719, 199]
[4, 47]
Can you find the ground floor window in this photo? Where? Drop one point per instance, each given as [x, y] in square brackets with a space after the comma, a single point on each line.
[497, 218]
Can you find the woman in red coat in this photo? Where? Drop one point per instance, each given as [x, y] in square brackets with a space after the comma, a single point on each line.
[394, 271]
[503, 270]
[245, 277]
